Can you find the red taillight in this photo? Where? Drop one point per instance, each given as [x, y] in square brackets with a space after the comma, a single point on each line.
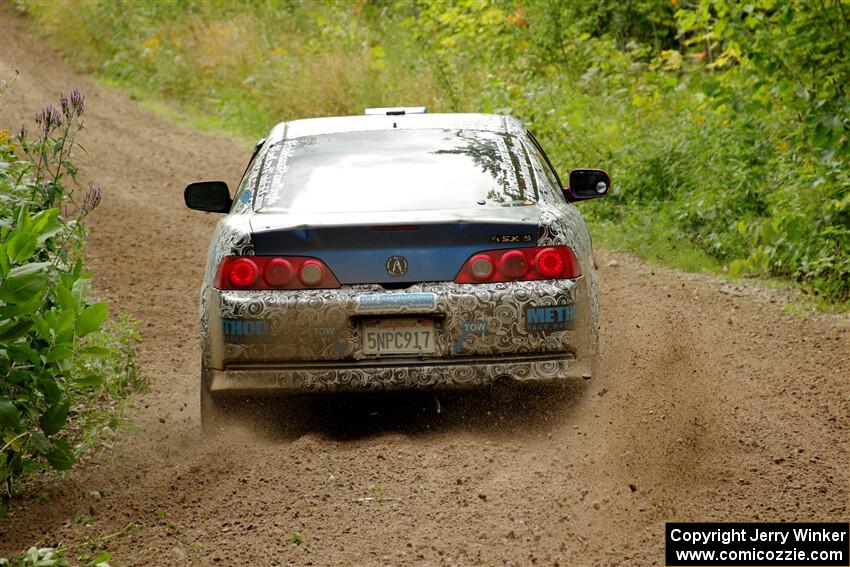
[311, 273]
[274, 272]
[278, 272]
[549, 263]
[538, 263]
[242, 272]
[513, 265]
[481, 267]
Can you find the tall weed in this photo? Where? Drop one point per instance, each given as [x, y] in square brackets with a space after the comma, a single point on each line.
[64, 375]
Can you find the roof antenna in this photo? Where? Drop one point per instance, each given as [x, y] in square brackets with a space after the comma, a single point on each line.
[396, 111]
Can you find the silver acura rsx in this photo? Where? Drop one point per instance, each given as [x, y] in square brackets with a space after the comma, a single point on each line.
[396, 250]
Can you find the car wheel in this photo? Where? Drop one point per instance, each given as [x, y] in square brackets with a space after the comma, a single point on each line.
[219, 413]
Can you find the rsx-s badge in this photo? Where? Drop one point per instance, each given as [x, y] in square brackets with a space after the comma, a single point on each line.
[505, 238]
[396, 265]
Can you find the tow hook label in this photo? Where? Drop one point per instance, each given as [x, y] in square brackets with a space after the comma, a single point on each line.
[468, 328]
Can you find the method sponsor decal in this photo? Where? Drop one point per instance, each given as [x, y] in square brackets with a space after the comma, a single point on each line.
[395, 302]
[550, 318]
[468, 328]
[244, 330]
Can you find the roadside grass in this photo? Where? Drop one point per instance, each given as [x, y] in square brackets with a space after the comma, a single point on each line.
[198, 120]
[719, 161]
[655, 244]
[646, 234]
[641, 236]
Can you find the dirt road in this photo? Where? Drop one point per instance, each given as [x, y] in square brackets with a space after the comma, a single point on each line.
[712, 404]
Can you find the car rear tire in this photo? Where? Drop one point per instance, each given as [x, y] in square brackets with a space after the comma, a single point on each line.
[220, 413]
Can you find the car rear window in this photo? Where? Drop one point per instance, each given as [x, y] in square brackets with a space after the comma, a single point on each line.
[397, 170]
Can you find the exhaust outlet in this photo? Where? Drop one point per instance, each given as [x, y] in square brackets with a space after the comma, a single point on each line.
[504, 389]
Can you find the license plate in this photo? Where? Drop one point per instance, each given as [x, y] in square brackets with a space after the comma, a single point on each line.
[398, 336]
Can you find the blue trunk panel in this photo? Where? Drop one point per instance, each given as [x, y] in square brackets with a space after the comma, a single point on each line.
[359, 254]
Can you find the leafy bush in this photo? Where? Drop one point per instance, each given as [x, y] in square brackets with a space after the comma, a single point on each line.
[63, 374]
[725, 124]
[38, 557]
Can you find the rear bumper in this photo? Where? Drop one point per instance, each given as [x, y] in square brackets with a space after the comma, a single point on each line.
[400, 374]
[303, 328]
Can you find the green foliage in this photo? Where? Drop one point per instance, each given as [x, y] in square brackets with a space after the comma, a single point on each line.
[725, 124]
[84, 519]
[55, 557]
[62, 374]
[38, 557]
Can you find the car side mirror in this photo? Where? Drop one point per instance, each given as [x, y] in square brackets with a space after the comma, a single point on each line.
[587, 184]
[208, 196]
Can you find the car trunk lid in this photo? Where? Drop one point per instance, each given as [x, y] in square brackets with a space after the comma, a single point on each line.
[398, 247]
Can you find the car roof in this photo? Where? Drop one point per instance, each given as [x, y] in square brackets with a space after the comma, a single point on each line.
[336, 124]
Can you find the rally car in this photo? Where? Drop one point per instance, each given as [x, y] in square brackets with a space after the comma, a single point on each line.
[396, 250]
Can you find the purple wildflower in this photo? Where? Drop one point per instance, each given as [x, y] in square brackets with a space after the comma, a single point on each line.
[77, 100]
[92, 199]
[66, 107]
[48, 118]
[22, 133]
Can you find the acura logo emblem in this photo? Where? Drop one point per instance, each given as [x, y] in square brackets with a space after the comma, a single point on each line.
[396, 265]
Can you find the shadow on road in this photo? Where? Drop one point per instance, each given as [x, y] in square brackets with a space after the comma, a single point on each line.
[358, 416]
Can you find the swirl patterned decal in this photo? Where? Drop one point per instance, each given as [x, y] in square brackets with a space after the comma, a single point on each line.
[390, 378]
[292, 317]
[232, 236]
[312, 339]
